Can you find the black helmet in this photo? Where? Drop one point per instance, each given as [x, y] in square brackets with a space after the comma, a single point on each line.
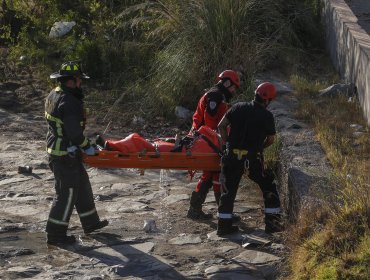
[69, 69]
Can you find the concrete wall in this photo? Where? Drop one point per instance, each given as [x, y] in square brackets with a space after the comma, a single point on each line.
[349, 48]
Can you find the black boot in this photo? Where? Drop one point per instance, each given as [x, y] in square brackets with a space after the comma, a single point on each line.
[273, 223]
[60, 240]
[98, 225]
[225, 226]
[195, 211]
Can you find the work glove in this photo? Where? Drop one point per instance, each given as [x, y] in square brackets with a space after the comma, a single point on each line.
[72, 150]
[90, 151]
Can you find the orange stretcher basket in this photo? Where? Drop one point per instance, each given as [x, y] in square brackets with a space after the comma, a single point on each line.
[153, 160]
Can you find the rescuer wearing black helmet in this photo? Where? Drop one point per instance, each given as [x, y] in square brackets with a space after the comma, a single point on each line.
[65, 115]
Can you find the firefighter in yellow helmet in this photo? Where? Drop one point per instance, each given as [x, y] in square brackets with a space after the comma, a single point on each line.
[64, 112]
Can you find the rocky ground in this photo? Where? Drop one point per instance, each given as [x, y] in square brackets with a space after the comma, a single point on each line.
[178, 248]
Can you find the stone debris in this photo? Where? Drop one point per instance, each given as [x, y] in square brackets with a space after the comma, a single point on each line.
[257, 238]
[347, 90]
[235, 237]
[60, 28]
[24, 272]
[173, 198]
[150, 226]
[25, 169]
[185, 239]
[15, 253]
[256, 257]
[233, 272]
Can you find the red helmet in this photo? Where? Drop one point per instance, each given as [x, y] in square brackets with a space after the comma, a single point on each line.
[266, 90]
[232, 75]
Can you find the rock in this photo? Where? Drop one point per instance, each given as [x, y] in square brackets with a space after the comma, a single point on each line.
[356, 127]
[60, 28]
[183, 113]
[295, 126]
[254, 239]
[12, 228]
[233, 272]
[173, 198]
[67, 274]
[138, 120]
[16, 253]
[236, 237]
[25, 169]
[128, 206]
[150, 226]
[358, 134]
[225, 249]
[347, 90]
[24, 272]
[94, 277]
[121, 186]
[277, 247]
[184, 239]
[14, 180]
[9, 238]
[256, 257]
[102, 197]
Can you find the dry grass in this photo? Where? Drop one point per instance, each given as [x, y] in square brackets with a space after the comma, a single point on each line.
[333, 242]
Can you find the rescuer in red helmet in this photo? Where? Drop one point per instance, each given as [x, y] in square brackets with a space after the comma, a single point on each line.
[252, 128]
[211, 108]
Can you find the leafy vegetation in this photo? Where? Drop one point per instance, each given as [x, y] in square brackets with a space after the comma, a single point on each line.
[168, 49]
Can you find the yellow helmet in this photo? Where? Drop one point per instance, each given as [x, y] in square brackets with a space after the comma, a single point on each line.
[69, 69]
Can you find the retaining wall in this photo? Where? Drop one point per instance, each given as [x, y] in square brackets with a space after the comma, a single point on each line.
[349, 47]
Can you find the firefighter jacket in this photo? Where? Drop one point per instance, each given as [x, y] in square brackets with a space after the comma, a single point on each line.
[211, 108]
[65, 116]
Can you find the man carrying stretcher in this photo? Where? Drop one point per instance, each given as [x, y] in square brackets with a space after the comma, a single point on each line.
[211, 108]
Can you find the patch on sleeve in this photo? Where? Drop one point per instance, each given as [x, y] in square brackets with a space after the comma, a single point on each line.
[212, 105]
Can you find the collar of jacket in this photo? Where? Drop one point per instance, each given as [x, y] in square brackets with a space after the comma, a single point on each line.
[225, 92]
[77, 92]
[256, 103]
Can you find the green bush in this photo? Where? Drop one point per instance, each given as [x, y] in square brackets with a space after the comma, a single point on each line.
[199, 38]
[172, 50]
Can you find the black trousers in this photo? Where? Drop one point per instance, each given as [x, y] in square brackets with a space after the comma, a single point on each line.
[72, 189]
[233, 170]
